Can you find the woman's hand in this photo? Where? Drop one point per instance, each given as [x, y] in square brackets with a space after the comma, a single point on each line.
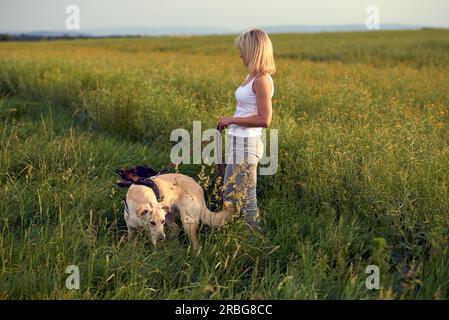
[224, 122]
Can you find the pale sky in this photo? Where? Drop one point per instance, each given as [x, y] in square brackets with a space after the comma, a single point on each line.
[49, 15]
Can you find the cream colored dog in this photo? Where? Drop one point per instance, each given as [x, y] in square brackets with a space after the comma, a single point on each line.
[182, 196]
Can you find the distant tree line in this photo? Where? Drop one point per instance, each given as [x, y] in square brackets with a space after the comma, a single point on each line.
[31, 37]
[5, 37]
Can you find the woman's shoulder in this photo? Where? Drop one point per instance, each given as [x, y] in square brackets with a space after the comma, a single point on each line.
[263, 75]
[263, 80]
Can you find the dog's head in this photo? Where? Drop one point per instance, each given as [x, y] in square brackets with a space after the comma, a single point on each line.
[153, 218]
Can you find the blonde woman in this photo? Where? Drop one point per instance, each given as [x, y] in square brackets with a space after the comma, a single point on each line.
[253, 113]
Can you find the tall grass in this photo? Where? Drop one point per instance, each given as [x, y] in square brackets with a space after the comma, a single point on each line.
[363, 176]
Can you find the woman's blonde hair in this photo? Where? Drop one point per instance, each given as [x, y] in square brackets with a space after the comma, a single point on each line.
[257, 49]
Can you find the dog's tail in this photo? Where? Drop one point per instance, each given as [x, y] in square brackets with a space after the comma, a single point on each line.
[218, 219]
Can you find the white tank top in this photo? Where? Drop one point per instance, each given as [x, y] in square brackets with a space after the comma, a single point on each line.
[246, 106]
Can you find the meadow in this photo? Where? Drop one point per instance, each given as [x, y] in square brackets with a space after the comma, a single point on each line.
[363, 173]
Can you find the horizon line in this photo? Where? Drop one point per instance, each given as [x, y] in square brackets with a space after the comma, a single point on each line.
[221, 30]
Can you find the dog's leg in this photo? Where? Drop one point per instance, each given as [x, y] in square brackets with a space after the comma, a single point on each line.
[190, 227]
[170, 221]
[132, 233]
[174, 229]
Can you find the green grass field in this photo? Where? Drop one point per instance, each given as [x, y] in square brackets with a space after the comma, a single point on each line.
[363, 174]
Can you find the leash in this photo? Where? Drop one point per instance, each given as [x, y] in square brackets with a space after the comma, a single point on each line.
[218, 146]
[220, 166]
[126, 205]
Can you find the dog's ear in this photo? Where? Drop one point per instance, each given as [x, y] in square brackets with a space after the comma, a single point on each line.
[123, 183]
[166, 209]
[142, 213]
